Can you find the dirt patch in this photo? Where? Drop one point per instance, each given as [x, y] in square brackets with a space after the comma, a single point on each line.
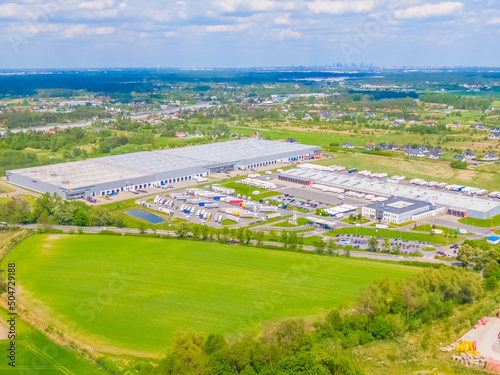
[54, 237]
[47, 245]
[4, 331]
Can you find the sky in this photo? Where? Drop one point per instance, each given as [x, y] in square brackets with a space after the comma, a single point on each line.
[247, 33]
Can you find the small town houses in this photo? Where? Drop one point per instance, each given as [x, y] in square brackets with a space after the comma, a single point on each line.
[416, 152]
[490, 157]
[494, 135]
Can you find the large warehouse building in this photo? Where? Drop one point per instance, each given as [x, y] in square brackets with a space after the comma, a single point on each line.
[455, 204]
[112, 174]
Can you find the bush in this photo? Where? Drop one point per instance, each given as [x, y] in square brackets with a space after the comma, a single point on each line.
[458, 164]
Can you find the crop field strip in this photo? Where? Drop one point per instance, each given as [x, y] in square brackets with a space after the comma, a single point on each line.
[172, 285]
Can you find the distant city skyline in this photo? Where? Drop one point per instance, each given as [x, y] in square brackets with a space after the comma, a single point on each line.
[239, 33]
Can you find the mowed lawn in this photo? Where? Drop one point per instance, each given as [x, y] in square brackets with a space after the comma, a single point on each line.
[130, 294]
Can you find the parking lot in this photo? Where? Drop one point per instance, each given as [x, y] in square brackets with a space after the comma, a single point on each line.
[212, 212]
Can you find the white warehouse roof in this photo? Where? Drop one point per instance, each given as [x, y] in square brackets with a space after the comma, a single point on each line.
[388, 189]
[146, 164]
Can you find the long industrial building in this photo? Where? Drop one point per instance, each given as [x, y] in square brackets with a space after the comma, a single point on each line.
[455, 204]
[112, 174]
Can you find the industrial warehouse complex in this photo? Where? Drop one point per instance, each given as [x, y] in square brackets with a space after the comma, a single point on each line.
[112, 174]
[435, 198]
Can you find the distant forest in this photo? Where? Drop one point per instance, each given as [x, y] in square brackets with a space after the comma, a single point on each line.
[68, 83]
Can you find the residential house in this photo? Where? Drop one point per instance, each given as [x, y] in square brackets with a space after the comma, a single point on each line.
[415, 152]
[480, 126]
[431, 122]
[469, 155]
[383, 146]
[405, 148]
[291, 140]
[490, 156]
[494, 135]
[423, 149]
[392, 147]
[495, 130]
[348, 145]
[434, 154]
[307, 117]
[459, 157]
[370, 146]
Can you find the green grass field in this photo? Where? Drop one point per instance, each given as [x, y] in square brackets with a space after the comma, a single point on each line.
[491, 222]
[128, 295]
[247, 190]
[36, 354]
[446, 231]
[4, 188]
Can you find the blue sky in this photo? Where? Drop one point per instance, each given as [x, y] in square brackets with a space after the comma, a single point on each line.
[244, 33]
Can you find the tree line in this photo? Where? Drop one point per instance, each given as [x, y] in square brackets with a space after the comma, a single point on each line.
[51, 210]
[383, 310]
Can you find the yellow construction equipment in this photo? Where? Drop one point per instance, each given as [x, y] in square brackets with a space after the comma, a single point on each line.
[467, 347]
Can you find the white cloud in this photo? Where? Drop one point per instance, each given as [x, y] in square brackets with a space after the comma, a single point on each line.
[340, 7]
[226, 28]
[170, 34]
[11, 10]
[288, 33]
[231, 6]
[84, 30]
[282, 20]
[494, 21]
[431, 10]
[97, 4]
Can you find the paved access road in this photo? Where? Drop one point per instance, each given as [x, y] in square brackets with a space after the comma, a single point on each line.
[486, 337]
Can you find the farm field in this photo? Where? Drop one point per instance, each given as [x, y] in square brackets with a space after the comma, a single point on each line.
[36, 354]
[112, 292]
[415, 169]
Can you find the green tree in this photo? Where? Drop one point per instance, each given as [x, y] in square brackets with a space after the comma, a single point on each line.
[372, 244]
[293, 240]
[284, 238]
[387, 245]
[396, 249]
[259, 237]
[44, 223]
[331, 246]
[188, 354]
[379, 328]
[319, 246]
[182, 229]
[467, 254]
[248, 235]
[458, 164]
